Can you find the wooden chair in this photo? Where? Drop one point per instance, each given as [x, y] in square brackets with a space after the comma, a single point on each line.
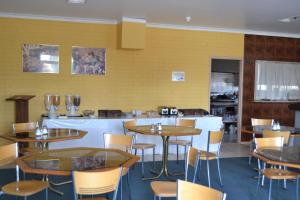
[139, 146]
[95, 183]
[169, 189]
[181, 142]
[192, 191]
[274, 173]
[257, 122]
[20, 129]
[214, 138]
[124, 143]
[284, 134]
[8, 155]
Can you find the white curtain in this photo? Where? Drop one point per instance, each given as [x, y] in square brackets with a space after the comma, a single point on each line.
[277, 80]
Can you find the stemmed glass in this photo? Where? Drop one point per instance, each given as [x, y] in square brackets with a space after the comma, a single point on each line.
[76, 102]
[48, 101]
[56, 101]
[69, 102]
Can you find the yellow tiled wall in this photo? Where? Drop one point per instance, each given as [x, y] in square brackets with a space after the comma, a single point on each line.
[135, 79]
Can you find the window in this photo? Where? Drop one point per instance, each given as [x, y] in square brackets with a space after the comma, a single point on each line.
[277, 81]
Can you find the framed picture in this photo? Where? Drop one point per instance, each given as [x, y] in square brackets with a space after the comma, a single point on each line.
[88, 61]
[40, 58]
[178, 76]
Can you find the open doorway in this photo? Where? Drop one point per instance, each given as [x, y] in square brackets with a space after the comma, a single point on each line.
[225, 95]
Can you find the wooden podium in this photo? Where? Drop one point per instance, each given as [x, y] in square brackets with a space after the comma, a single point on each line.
[21, 111]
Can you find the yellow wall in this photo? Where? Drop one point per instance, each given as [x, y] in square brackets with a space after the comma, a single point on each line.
[139, 79]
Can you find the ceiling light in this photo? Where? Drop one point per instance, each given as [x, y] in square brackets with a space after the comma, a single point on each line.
[77, 1]
[290, 19]
[188, 18]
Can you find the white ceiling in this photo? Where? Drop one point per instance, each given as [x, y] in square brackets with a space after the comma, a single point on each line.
[246, 16]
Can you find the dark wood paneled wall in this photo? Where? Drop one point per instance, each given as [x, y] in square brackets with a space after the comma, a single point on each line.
[266, 48]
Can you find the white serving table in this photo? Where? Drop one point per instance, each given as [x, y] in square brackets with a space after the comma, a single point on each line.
[96, 127]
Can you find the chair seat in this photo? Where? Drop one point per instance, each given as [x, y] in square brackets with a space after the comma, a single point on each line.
[25, 188]
[28, 150]
[180, 142]
[279, 174]
[204, 155]
[164, 188]
[143, 146]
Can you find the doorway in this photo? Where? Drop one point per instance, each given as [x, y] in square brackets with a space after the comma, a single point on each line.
[225, 95]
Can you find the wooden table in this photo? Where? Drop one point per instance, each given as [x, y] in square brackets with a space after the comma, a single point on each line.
[63, 161]
[254, 131]
[286, 156]
[53, 135]
[165, 134]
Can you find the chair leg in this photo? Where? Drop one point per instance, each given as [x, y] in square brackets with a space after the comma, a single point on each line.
[219, 171]
[185, 154]
[263, 177]
[270, 189]
[297, 188]
[154, 197]
[199, 169]
[250, 157]
[143, 163]
[153, 157]
[46, 193]
[25, 198]
[208, 175]
[128, 186]
[121, 191]
[177, 152]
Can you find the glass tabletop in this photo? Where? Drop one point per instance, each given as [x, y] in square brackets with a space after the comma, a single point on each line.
[55, 133]
[260, 128]
[77, 159]
[285, 154]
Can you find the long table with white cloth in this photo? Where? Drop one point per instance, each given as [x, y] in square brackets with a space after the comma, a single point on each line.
[96, 127]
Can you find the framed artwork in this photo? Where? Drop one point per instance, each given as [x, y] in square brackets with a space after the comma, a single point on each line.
[88, 61]
[178, 76]
[40, 58]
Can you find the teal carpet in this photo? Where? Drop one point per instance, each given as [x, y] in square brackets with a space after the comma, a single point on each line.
[237, 180]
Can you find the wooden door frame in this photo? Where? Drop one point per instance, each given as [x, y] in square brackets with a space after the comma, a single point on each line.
[241, 79]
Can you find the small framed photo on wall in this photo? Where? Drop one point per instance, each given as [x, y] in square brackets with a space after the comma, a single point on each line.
[40, 58]
[88, 61]
[178, 76]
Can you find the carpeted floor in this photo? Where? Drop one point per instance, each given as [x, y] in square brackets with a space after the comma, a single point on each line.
[237, 179]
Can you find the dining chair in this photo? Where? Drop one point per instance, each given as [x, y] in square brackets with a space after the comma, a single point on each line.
[214, 139]
[123, 143]
[274, 173]
[257, 122]
[95, 183]
[284, 134]
[20, 129]
[169, 188]
[137, 145]
[191, 191]
[181, 142]
[8, 155]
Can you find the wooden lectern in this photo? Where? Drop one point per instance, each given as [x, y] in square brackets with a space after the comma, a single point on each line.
[21, 102]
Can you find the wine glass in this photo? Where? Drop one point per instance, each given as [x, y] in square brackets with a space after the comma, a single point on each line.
[56, 101]
[47, 101]
[69, 102]
[76, 102]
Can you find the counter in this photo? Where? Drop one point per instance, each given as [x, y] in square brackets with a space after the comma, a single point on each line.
[96, 127]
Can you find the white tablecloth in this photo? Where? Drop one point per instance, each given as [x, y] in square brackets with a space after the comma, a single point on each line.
[97, 127]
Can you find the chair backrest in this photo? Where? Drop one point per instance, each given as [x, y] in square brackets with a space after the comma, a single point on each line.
[186, 122]
[8, 152]
[127, 124]
[192, 160]
[284, 134]
[19, 128]
[265, 122]
[191, 191]
[117, 141]
[93, 183]
[274, 142]
[214, 138]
